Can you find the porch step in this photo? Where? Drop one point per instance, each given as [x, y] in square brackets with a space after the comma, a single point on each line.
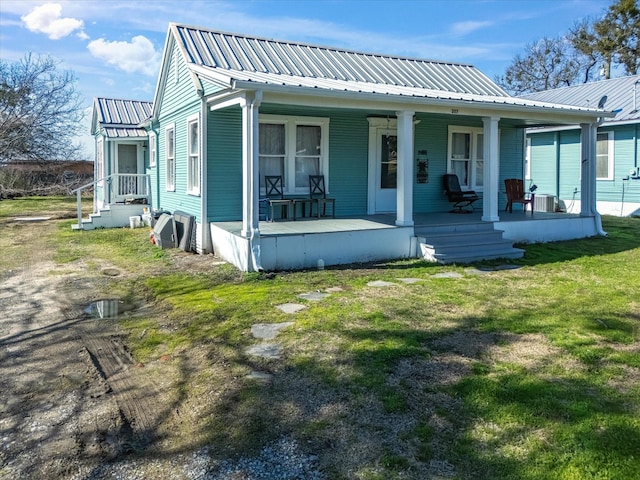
[464, 243]
[113, 216]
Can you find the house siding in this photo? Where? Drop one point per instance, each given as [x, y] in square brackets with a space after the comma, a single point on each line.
[179, 101]
[555, 165]
[348, 158]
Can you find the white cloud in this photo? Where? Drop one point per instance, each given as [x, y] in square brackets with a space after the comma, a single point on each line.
[139, 55]
[464, 28]
[47, 19]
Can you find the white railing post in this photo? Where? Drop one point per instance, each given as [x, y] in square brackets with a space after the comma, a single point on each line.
[79, 205]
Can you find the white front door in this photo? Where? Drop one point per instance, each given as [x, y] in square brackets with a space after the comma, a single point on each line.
[386, 192]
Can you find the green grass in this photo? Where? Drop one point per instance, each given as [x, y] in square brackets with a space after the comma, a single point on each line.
[517, 374]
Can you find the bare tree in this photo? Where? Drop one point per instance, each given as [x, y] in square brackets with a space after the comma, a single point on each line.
[547, 63]
[40, 110]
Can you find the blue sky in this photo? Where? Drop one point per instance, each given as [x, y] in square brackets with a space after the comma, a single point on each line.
[114, 47]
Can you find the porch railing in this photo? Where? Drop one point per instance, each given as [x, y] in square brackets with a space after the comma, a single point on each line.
[116, 187]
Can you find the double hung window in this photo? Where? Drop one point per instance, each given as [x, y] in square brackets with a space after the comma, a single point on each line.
[293, 148]
[152, 149]
[466, 156]
[604, 156]
[170, 156]
[193, 156]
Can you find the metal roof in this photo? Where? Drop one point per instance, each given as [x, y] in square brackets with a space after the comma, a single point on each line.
[236, 55]
[113, 111]
[124, 132]
[620, 93]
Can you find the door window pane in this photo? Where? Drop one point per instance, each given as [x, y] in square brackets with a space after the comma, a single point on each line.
[389, 162]
[479, 160]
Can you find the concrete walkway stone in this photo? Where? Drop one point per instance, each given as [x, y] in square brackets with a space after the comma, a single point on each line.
[271, 351]
[291, 307]
[313, 296]
[268, 331]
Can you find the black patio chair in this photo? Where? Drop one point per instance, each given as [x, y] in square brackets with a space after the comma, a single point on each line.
[274, 196]
[458, 197]
[318, 195]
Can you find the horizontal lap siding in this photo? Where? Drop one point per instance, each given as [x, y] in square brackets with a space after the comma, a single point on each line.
[544, 162]
[570, 153]
[431, 135]
[348, 153]
[224, 175]
[179, 101]
[511, 159]
[624, 158]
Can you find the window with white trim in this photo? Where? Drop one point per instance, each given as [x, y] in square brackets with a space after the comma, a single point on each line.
[466, 156]
[170, 157]
[193, 155]
[527, 159]
[152, 149]
[604, 156]
[293, 148]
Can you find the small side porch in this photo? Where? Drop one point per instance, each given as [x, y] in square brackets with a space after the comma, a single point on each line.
[116, 199]
[438, 237]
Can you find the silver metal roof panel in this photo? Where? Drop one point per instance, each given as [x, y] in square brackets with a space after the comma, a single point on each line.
[619, 92]
[113, 111]
[241, 53]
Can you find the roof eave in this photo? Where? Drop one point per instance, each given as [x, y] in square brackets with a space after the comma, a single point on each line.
[528, 112]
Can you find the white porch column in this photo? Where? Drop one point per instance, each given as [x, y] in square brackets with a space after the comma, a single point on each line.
[491, 171]
[250, 179]
[404, 215]
[588, 138]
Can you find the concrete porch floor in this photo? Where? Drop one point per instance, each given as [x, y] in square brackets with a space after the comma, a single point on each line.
[383, 221]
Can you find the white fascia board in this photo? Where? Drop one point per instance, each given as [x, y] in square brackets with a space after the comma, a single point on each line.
[226, 99]
[162, 75]
[359, 100]
[222, 79]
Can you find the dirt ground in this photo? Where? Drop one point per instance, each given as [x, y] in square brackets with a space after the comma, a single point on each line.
[72, 398]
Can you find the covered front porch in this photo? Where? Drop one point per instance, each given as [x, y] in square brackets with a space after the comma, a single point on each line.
[311, 242]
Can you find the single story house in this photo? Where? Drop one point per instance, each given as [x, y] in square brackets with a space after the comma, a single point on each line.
[554, 152]
[381, 131]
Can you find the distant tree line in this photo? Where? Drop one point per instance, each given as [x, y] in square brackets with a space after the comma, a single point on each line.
[588, 51]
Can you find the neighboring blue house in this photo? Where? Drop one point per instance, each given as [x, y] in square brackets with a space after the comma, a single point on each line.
[555, 152]
[121, 187]
[230, 109]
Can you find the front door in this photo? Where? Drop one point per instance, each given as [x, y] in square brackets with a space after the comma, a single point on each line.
[386, 171]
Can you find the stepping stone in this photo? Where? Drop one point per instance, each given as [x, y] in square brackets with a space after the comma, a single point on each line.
[410, 280]
[291, 307]
[313, 296]
[260, 376]
[381, 283]
[268, 331]
[476, 271]
[270, 351]
[447, 275]
[111, 272]
[335, 289]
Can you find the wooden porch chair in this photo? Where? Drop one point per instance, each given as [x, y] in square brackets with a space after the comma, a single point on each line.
[458, 197]
[275, 196]
[318, 195]
[514, 188]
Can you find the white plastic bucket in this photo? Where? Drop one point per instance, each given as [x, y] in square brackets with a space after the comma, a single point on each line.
[134, 222]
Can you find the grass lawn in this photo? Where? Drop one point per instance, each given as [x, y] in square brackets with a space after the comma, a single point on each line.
[526, 373]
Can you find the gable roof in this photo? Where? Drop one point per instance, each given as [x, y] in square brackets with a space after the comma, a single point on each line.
[247, 57]
[120, 118]
[620, 94]
[235, 62]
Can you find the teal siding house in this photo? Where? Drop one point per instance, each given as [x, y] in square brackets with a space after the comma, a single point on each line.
[230, 110]
[554, 153]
